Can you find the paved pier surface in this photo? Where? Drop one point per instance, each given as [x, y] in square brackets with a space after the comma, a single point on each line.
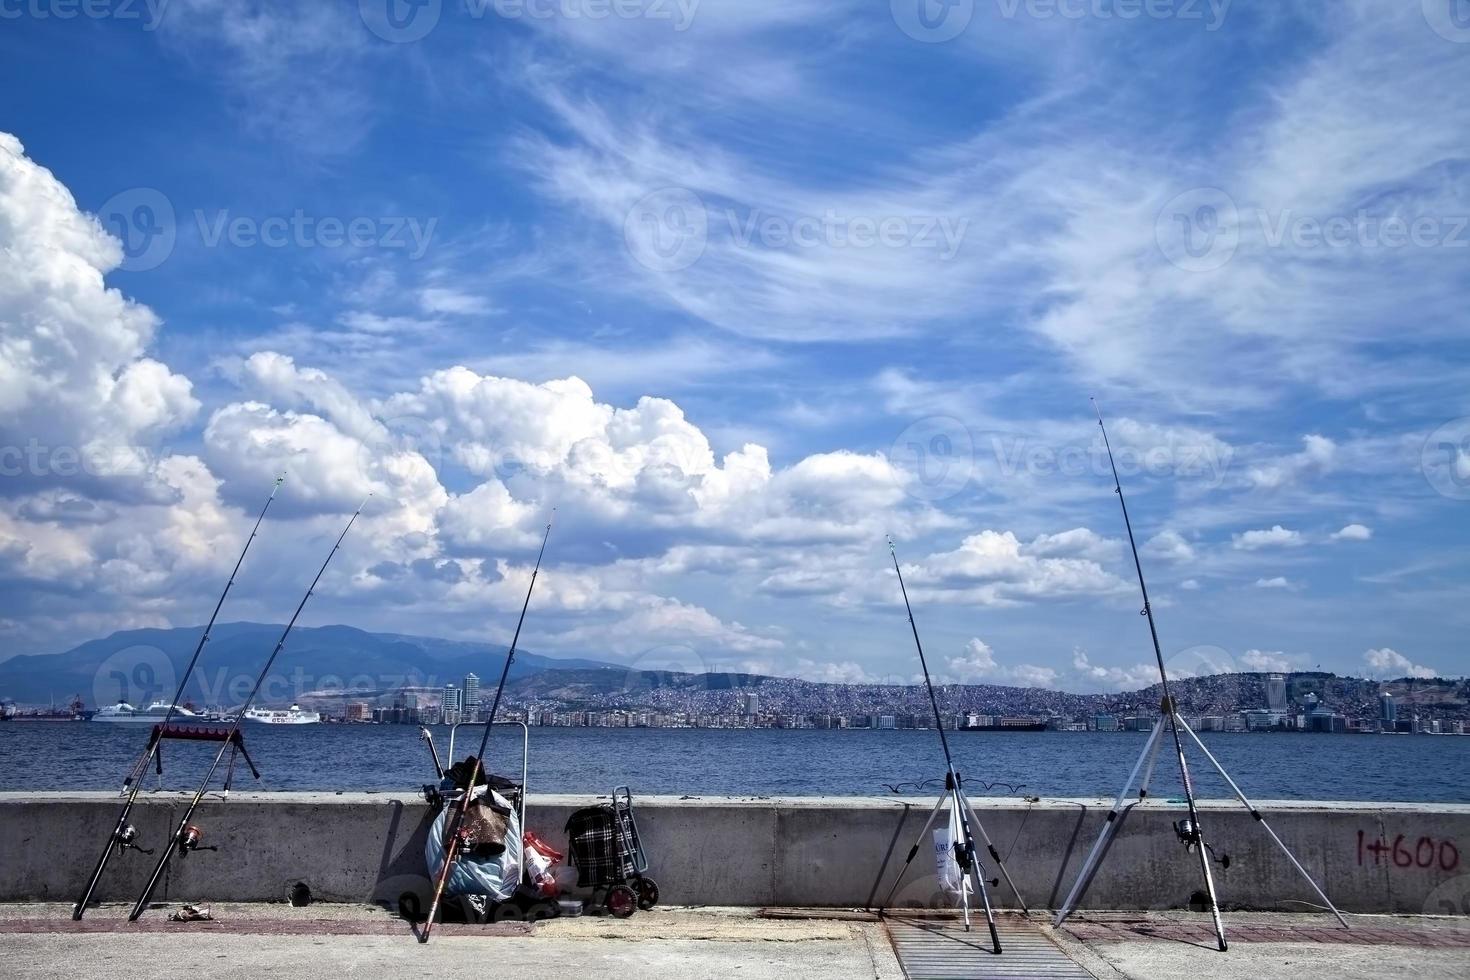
[320, 940]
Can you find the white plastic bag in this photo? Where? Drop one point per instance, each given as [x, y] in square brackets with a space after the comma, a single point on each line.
[951, 879]
[497, 876]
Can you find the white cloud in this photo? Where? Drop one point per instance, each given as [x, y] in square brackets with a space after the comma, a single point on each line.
[1131, 678]
[1389, 663]
[1318, 456]
[1189, 585]
[977, 665]
[992, 568]
[1079, 542]
[1169, 546]
[1276, 582]
[1275, 537]
[1271, 660]
[1353, 532]
[75, 378]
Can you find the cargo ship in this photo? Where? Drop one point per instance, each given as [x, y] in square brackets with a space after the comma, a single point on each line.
[987, 724]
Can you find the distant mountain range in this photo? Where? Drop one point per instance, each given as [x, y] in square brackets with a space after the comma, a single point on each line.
[331, 664]
[139, 665]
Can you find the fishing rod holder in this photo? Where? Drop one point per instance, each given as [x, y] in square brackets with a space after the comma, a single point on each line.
[963, 822]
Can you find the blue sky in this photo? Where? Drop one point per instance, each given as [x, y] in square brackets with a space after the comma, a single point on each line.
[740, 288]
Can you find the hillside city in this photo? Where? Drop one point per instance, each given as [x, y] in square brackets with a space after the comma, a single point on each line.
[1296, 702]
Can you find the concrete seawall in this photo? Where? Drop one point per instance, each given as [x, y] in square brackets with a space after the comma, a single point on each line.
[1410, 858]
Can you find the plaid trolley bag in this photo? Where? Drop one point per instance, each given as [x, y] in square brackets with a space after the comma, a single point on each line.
[608, 856]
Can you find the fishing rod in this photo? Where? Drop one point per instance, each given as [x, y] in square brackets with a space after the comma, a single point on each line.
[963, 821]
[453, 836]
[923, 663]
[1167, 706]
[186, 838]
[123, 834]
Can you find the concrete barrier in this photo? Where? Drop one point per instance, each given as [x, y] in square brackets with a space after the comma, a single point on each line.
[1370, 857]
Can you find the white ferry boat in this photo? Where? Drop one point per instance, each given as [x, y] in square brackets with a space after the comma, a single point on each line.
[291, 716]
[125, 713]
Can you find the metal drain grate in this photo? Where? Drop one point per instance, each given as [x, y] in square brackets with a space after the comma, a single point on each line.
[942, 950]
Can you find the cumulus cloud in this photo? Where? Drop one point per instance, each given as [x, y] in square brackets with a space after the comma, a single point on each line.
[1353, 532]
[1120, 678]
[1275, 537]
[1270, 660]
[1169, 546]
[1275, 582]
[1079, 542]
[977, 664]
[1389, 663]
[992, 567]
[75, 377]
[1318, 456]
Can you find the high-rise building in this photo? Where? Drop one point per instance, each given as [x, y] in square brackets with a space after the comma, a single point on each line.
[1388, 712]
[451, 705]
[1276, 692]
[471, 706]
[751, 705]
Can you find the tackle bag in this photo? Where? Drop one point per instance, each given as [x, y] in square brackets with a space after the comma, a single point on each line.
[598, 853]
[478, 870]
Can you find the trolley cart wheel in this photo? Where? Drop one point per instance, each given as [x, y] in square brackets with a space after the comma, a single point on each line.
[647, 890]
[540, 911]
[507, 912]
[409, 907]
[621, 901]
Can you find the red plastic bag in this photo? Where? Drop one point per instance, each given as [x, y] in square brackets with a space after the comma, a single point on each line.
[541, 859]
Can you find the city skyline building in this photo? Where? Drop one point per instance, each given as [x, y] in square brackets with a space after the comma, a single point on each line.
[470, 707]
[1276, 692]
[451, 704]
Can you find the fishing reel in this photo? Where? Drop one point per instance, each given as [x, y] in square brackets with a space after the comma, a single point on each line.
[127, 839]
[1189, 835]
[189, 841]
